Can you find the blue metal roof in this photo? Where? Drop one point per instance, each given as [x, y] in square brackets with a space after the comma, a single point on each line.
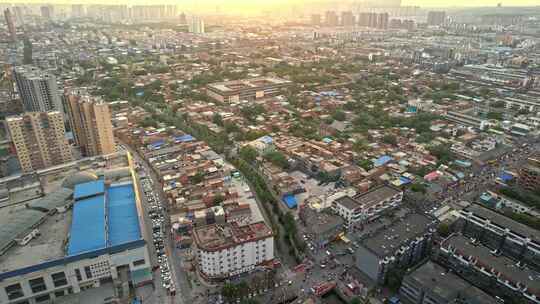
[123, 216]
[290, 200]
[157, 144]
[88, 225]
[506, 177]
[266, 139]
[382, 160]
[404, 180]
[184, 138]
[89, 189]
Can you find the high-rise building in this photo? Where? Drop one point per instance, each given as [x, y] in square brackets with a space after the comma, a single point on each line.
[372, 20]
[47, 11]
[37, 89]
[10, 24]
[436, 18]
[39, 140]
[183, 19]
[347, 19]
[196, 25]
[77, 11]
[363, 19]
[331, 18]
[316, 19]
[383, 3]
[19, 15]
[90, 120]
[382, 21]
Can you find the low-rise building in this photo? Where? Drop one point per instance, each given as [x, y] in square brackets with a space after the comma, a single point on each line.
[529, 174]
[488, 270]
[246, 89]
[433, 284]
[501, 234]
[367, 206]
[227, 250]
[399, 245]
[323, 226]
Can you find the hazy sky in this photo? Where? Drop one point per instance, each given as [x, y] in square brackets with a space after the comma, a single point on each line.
[423, 3]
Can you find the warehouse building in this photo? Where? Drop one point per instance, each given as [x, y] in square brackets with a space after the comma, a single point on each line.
[88, 237]
[246, 89]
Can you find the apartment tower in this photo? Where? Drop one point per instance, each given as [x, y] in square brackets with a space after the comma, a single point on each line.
[90, 119]
[37, 89]
[39, 140]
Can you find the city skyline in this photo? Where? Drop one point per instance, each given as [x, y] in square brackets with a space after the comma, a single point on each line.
[240, 3]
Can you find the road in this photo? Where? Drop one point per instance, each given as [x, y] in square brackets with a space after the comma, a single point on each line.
[483, 179]
[160, 294]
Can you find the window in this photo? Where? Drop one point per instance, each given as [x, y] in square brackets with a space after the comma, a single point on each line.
[43, 298]
[87, 272]
[139, 262]
[14, 291]
[59, 279]
[37, 285]
[59, 294]
[78, 275]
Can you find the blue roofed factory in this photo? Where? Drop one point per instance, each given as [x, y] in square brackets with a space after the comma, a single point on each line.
[83, 236]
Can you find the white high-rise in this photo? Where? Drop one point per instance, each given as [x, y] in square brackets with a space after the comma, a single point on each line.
[196, 26]
[38, 90]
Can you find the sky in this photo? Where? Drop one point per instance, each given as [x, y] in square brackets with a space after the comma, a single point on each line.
[422, 3]
[442, 3]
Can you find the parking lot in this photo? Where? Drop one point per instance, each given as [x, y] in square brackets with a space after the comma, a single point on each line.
[157, 217]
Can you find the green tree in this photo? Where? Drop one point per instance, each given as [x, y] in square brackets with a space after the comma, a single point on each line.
[27, 51]
[229, 292]
[277, 158]
[339, 115]
[217, 119]
[366, 164]
[355, 300]
[390, 139]
[197, 178]
[417, 187]
[359, 146]
[218, 199]
[494, 115]
[248, 153]
[443, 230]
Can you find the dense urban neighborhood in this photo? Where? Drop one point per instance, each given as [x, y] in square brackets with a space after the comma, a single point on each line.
[313, 152]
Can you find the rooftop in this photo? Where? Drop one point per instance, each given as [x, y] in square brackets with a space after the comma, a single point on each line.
[501, 264]
[446, 285]
[89, 189]
[386, 241]
[104, 220]
[320, 222]
[19, 220]
[234, 85]
[347, 202]
[49, 245]
[375, 196]
[217, 237]
[504, 222]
